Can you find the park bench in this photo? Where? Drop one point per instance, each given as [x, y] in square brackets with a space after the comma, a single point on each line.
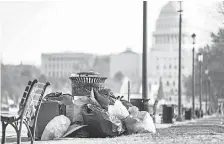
[28, 111]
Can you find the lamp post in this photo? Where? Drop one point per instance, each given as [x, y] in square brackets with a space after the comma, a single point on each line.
[193, 76]
[144, 58]
[200, 59]
[179, 69]
[209, 94]
[206, 88]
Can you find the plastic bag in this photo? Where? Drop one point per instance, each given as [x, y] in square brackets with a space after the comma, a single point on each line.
[118, 110]
[103, 100]
[56, 128]
[140, 122]
[100, 123]
[132, 110]
[126, 104]
[73, 111]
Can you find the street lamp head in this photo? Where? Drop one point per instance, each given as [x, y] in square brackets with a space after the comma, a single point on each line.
[193, 37]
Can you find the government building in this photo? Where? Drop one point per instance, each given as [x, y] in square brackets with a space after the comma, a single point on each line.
[164, 53]
[62, 65]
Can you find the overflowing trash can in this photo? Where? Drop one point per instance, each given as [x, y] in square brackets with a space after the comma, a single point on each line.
[188, 114]
[92, 111]
[168, 112]
[83, 82]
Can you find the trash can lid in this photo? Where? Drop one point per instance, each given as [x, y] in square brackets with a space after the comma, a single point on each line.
[88, 73]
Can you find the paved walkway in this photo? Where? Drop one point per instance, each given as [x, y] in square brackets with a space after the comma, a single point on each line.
[206, 130]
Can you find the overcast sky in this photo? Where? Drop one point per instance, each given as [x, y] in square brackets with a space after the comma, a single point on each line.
[28, 29]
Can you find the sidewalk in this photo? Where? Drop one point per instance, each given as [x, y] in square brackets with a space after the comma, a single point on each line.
[178, 132]
[176, 123]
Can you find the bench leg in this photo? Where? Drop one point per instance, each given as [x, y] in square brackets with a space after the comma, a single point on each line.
[4, 125]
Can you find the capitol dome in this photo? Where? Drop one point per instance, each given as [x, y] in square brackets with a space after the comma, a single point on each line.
[170, 9]
[166, 34]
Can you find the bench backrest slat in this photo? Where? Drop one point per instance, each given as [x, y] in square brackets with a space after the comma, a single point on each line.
[33, 102]
[25, 96]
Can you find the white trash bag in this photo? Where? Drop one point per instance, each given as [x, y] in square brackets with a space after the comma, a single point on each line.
[132, 110]
[56, 128]
[118, 110]
[139, 122]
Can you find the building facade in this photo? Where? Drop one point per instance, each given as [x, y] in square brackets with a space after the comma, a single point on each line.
[127, 62]
[164, 54]
[62, 65]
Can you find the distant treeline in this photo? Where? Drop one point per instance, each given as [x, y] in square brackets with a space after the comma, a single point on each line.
[14, 78]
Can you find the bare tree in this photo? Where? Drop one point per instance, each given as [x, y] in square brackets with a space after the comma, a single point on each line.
[221, 7]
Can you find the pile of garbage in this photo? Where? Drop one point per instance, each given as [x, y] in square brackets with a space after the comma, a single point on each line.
[100, 114]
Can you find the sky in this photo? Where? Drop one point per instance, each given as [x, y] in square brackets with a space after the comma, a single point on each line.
[30, 28]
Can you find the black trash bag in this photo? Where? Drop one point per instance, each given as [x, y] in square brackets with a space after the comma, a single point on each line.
[100, 123]
[103, 100]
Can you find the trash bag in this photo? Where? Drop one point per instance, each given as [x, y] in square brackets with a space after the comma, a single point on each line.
[63, 99]
[67, 99]
[118, 110]
[132, 110]
[73, 111]
[103, 100]
[100, 123]
[108, 93]
[140, 122]
[126, 104]
[56, 128]
[93, 99]
[77, 131]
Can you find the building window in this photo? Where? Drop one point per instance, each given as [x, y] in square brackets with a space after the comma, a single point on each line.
[170, 66]
[49, 74]
[174, 83]
[167, 83]
[175, 67]
[53, 74]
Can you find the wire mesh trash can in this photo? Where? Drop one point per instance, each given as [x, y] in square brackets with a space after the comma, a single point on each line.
[83, 82]
[168, 112]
